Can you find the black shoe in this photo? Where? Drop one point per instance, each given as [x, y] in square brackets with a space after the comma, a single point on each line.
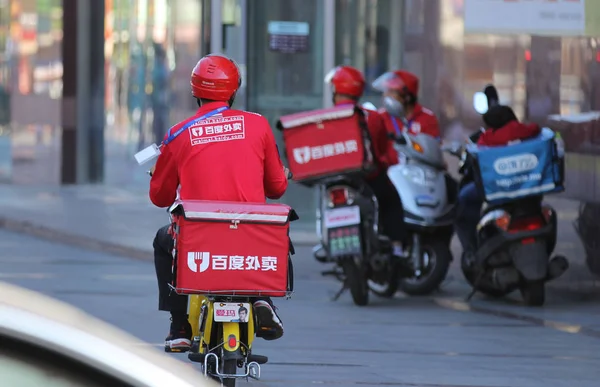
[269, 325]
[180, 337]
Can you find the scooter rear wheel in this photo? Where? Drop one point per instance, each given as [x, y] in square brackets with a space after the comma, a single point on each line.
[357, 282]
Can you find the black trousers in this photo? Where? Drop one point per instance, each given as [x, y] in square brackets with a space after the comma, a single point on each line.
[163, 261]
[168, 300]
[391, 212]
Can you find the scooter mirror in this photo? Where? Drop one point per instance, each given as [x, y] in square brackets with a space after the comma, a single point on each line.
[368, 105]
[480, 102]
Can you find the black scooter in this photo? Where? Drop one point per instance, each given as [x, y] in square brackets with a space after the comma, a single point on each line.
[514, 239]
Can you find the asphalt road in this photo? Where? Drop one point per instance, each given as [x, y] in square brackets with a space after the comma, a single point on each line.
[429, 342]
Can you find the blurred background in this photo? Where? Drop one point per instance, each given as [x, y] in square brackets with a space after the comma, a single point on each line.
[84, 84]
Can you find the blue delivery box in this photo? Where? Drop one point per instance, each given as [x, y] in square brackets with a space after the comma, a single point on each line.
[528, 168]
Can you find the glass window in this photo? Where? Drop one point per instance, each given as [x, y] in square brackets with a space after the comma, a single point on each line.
[234, 41]
[285, 69]
[154, 46]
[369, 37]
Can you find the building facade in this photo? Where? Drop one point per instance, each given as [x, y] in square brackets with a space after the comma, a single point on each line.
[284, 49]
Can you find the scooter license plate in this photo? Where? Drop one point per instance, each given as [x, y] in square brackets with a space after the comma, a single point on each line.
[231, 311]
[344, 241]
[343, 231]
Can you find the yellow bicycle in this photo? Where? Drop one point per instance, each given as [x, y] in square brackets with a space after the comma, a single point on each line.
[235, 252]
[221, 343]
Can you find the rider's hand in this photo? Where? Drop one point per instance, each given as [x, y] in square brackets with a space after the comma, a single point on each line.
[151, 171]
[286, 172]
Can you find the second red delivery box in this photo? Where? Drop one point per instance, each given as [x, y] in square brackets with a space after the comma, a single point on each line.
[326, 142]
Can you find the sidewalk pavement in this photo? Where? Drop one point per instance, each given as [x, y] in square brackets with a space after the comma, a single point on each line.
[124, 222]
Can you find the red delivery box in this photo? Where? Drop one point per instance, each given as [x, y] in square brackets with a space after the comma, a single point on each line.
[326, 142]
[231, 248]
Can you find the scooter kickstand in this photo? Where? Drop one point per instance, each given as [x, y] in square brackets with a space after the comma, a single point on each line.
[340, 292]
[471, 294]
[475, 284]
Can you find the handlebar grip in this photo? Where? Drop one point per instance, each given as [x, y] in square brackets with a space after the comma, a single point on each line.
[290, 175]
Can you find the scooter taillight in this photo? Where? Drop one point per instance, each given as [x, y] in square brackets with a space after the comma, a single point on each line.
[338, 196]
[526, 224]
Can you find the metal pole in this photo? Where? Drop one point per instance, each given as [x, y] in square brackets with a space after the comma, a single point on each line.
[328, 46]
[96, 92]
[68, 173]
[82, 155]
[244, 52]
[397, 35]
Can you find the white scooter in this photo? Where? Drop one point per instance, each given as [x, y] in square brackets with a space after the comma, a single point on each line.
[428, 196]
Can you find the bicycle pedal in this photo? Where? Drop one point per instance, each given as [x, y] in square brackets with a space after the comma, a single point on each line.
[196, 357]
[175, 350]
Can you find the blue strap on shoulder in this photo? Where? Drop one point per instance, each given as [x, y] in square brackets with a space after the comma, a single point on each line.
[173, 136]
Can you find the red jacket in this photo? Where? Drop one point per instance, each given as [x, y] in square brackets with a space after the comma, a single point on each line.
[378, 134]
[422, 120]
[512, 131]
[231, 156]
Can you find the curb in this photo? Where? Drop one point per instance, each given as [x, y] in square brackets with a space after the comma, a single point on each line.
[301, 238]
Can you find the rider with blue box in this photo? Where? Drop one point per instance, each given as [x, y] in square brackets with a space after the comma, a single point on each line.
[505, 170]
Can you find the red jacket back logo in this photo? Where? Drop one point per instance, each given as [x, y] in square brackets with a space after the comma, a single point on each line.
[217, 129]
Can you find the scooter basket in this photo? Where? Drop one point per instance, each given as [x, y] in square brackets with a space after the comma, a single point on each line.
[327, 142]
[511, 172]
[231, 248]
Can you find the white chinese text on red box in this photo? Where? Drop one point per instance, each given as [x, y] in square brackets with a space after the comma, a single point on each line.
[217, 129]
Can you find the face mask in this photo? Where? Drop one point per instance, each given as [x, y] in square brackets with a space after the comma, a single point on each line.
[393, 106]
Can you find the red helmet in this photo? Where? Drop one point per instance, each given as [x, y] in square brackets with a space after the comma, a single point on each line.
[346, 80]
[216, 78]
[400, 80]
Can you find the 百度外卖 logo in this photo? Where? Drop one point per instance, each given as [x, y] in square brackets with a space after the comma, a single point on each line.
[520, 163]
[199, 262]
[304, 154]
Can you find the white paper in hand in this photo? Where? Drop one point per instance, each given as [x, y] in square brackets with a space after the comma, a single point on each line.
[147, 154]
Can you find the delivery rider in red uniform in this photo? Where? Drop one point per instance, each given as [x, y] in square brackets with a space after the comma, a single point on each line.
[348, 85]
[214, 166]
[400, 98]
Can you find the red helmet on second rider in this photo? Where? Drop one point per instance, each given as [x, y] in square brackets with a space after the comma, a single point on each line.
[216, 78]
[401, 81]
[346, 80]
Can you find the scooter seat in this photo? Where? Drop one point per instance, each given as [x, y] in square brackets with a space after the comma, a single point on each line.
[515, 207]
